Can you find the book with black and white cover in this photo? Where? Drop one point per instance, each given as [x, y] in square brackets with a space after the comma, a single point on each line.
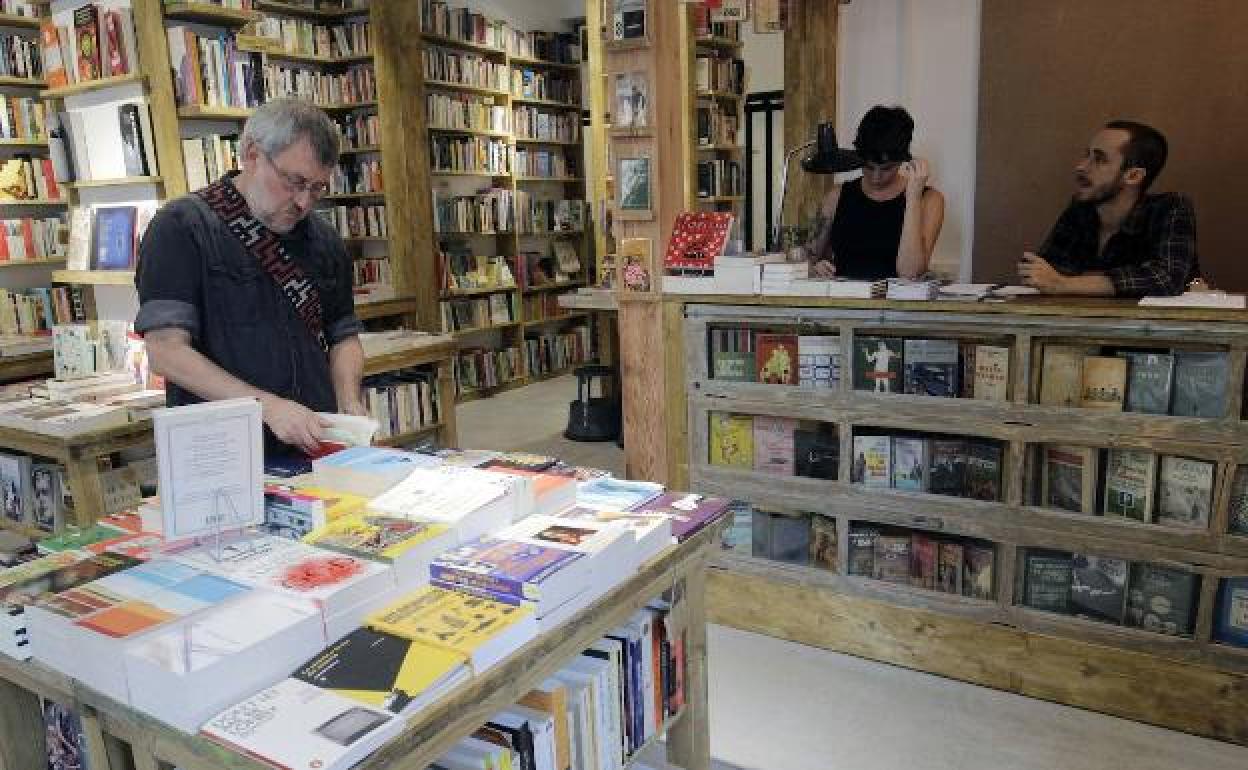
[1130, 477]
[1239, 501]
[1185, 492]
[16, 493]
[47, 504]
[1200, 383]
[947, 472]
[1069, 480]
[295, 724]
[1047, 579]
[1098, 587]
[1162, 599]
[862, 550]
[1150, 380]
[931, 367]
[629, 20]
[819, 361]
[910, 463]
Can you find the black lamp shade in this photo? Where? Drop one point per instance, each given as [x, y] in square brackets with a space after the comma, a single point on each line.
[828, 158]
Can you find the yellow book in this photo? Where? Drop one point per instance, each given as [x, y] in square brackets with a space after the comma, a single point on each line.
[408, 544]
[1104, 383]
[732, 440]
[484, 631]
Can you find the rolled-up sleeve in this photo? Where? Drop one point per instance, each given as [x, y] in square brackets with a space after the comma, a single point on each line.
[1171, 260]
[168, 276]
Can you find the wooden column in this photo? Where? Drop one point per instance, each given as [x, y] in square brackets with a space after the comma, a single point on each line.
[154, 63]
[809, 97]
[21, 729]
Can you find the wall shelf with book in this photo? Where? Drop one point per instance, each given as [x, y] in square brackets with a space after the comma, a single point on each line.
[95, 277]
[118, 182]
[317, 11]
[209, 13]
[89, 86]
[1064, 474]
[19, 21]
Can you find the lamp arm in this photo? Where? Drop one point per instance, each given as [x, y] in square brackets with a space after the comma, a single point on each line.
[784, 189]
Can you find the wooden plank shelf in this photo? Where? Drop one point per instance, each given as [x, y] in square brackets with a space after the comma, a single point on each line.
[23, 367]
[19, 21]
[91, 85]
[87, 184]
[509, 326]
[460, 293]
[381, 194]
[480, 174]
[551, 233]
[208, 13]
[726, 43]
[470, 131]
[723, 96]
[23, 142]
[554, 287]
[31, 263]
[308, 12]
[16, 82]
[557, 320]
[359, 150]
[206, 112]
[547, 103]
[408, 436]
[557, 179]
[386, 308]
[552, 142]
[349, 106]
[467, 45]
[527, 61]
[95, 277]
[34, 202]
[446, 85]
[722, 199]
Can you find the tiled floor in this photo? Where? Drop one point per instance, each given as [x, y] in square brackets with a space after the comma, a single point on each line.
[776, 705]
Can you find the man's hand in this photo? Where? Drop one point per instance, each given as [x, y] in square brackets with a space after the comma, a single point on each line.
[293, 423]
[823, 269]
[916, 172]
[1035, 271]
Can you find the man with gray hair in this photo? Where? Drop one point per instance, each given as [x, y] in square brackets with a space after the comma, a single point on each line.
[243, 294]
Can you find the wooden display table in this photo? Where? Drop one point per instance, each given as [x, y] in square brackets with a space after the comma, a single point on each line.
[115, 733]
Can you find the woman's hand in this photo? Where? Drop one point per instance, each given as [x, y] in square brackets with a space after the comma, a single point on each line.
[916, 173]
[823, 269]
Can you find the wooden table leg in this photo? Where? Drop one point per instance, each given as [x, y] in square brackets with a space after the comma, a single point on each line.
[98, 750]
[21, 729]
[689, 740]
[83, 476]
[448, 436]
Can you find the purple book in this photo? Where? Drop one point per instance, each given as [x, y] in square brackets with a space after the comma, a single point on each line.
[689, 512]
[503, 568]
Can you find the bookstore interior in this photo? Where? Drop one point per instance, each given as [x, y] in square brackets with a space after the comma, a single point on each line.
[1028, 474]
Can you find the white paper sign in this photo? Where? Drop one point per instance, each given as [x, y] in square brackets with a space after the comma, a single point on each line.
[731, 10]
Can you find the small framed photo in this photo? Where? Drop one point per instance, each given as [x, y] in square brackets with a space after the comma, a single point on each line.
[632, 104]
[636, 197]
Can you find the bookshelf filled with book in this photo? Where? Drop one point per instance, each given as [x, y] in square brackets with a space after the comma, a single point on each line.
[503, 115]
[1070, 476]
[720, 80]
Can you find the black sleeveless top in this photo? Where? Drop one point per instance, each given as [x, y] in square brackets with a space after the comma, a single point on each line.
[865, 234]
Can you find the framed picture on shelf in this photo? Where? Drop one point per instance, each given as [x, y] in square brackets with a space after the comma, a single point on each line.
[628, 23]
[636, 198]
[631, 113]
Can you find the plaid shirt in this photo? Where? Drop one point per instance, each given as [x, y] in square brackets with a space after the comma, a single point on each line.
[1153, 252]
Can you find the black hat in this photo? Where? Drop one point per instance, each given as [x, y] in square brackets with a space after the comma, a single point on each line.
[828, 158]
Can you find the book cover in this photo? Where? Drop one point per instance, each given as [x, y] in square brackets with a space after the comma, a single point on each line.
[382, 671]
[47, 503]
[690, 513]
[732, 355]
[983, 470]
[1239, 502]
[74, 539]
[522, 461]
[53, 63]
[877, 364]
[773, 445]
[1069, 481]
[776, 357]
[892, 559]
[611, 494]
[1230, 619]
[629, 20]
[1104, 383]
[1162, 599]
[374, 536]
[16, 497]
[132, 140]
[1185, 492]
[506, 568]
[452, 620]
[64, 739]
[790, 538]
[862, 550]
[947, 467]
[873, 461]
[819, 361]
[1047, 580]
[817, 454]
[910, 463]
[966, 364]
[731, 440]
[1098, 588]
[697, 238]
[931, 367]
[113, 238]
[1130, 476]
[992, 373]
[924, 561]
[1061, 376]
[979, 572]
[632, 101]
[87, 42]
[950, 557]
[1150, 379]
[823, 543]
[1200, 382]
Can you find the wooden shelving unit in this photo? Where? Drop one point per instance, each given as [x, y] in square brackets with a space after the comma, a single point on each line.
[207, 13]
[721, 47]
[89, 86]
[95, 277]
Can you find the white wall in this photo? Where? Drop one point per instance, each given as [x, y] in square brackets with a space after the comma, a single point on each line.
[923, 55]
[530, 14]
[764, 62]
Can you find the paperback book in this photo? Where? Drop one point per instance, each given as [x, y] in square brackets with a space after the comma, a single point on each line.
[1200, 382]
[878, 364]
[931, 367]
[1150, 379]
[873, 461]
[1069, 478]
[1162, 599]
[1098, 588]
[1130, 476]
[1185, 492]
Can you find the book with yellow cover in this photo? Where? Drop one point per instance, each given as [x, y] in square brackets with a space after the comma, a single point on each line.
[1104, 383]
[337, 504]
[732, 440]
[407, 544]
[384, 671]
[482, 630]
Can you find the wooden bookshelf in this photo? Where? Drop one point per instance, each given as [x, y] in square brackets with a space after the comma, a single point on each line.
[31, 263]
[206, 112]
[16, 20]
[95, 277]
[37, 143]
[385, 308]
[309, 12]
[16, 82]
[89, 86]
[987, 641]
[24, 367]
[208, 13]
[119, 182]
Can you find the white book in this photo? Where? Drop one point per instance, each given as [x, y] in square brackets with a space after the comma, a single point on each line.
[541, 725]
[472, 501]
[652, 531]
[610, 547]
[294, 724]
[612, 651]
[368, 471]
[581, 735]
[601, 693]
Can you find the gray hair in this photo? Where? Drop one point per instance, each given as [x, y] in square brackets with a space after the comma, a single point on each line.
[277, 124]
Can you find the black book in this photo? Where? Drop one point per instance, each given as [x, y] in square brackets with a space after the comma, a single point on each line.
[1200, 384]
[1047, 581]
[983, 470]
[790, 538]
[817, 454]
[1162, 599]
[1098, 588]
[132, 141]
[1150, 378]
[862, 551]
[947, 467]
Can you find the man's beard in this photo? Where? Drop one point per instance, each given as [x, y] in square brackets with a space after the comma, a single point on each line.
[1105, 194]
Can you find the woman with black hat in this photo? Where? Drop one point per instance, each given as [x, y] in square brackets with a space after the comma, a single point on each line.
[885, 223]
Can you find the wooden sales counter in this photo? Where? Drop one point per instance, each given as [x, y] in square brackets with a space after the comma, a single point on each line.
[1184, 676]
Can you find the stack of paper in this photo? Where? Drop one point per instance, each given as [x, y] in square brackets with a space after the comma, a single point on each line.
[1214, 299]
[742, 274]
[842, 288]
[966, 292]
[778, 277]
[899, 288]
[690, 284]
[60, 418]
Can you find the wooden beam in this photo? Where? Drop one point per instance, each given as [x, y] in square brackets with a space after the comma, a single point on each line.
[154, 58]
[810, 41]
[21, 729]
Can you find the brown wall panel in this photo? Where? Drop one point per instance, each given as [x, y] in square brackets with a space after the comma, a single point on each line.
[1053, 71]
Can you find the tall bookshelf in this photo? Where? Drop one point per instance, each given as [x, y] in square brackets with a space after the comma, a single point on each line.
[720, 80]
[523, 143]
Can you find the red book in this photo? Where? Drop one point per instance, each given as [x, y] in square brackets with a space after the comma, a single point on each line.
[4, 246]
[776, 358]
[28, 237]
[698, 237]
[49, 177]
[923, 561]
[87, 39]
[117, 64]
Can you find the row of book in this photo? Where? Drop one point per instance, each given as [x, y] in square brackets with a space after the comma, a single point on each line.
[558, 264]
[483, 368]
[107, 237]
[107, 141]
[465, 69]
[528, 83]
[703, 27]
[34, 494]
[780, 446]
[470, 113]
[739, 354]
[954, 565]
[1158, 489]
[24, 8]
[489, 212]
[538, 124]
[557, 47]
[555, 164]
[305, 38]
[22, 117]
[720, 177]
[719, 74]
[437, 17]
[959, 467]
[402, 402]
[356, 176]
[359, 129]
[469, 153]
[1178, 382]
[208, 158]
[212, 71]
[462, 270]
[557, 351]
[460, 315]
[543, 306]
[34, 312]
[27, 239]
[536, 215]
[100, 43]
[27, 178]
[357, 221]
[358, 85]
[372, 271]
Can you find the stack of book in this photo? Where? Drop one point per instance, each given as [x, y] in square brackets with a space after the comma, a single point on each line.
[1176, 382]
[912, 290]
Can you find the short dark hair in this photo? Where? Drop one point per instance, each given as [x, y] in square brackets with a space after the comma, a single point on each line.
[1145, 148]
[884, 135]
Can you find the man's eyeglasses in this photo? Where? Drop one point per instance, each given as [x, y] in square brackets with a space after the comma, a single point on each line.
[296, 183]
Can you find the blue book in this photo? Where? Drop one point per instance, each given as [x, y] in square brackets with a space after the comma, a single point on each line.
[1231, 619]
[502, 568]
[610, 494]
[113, 245]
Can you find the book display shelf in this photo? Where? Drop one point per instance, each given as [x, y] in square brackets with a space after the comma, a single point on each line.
[1026, 476]
[503, 115]
[720, 79]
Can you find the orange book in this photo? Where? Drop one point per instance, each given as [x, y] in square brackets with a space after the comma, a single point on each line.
[53, 64]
